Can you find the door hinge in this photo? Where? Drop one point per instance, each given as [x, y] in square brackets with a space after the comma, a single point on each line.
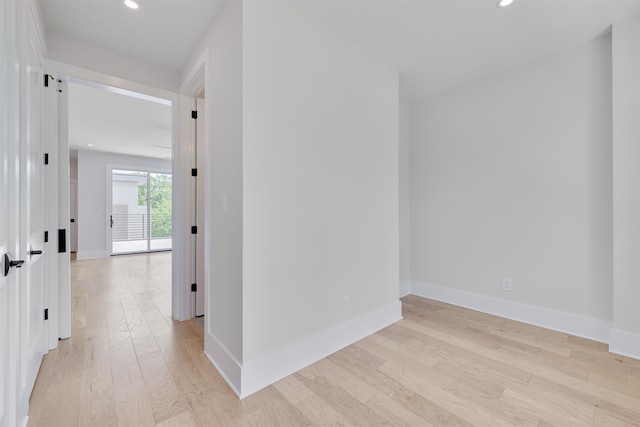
[194, 114]
[194, 229]
[46, 314]
[46, 158]
[46, 236]
[194, 287]
[194, 172]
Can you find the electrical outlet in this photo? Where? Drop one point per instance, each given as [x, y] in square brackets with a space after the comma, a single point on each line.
[507, 285]
[345, 303]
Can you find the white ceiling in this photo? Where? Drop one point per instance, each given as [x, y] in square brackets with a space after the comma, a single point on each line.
[435, 44]
[116, 123]
[161, 32]
[440, 44]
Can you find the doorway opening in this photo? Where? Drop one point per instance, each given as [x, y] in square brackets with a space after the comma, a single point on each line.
[113, 129]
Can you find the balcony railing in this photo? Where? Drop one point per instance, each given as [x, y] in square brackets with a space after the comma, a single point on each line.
[128, 227]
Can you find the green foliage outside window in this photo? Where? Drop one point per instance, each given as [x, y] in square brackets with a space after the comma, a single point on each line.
[160, 198]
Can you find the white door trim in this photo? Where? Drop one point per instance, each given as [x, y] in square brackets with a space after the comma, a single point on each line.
[58, 117]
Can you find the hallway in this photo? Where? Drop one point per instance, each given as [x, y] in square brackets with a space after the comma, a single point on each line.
[127, 362]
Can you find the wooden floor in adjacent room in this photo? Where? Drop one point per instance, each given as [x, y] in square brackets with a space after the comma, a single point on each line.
[129, 364]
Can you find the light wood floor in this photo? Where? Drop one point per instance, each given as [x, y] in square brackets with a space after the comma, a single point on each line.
[129, 364]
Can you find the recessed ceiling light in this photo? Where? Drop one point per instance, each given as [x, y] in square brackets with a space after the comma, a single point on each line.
[131, 4]
[501, 3]
[89, 145]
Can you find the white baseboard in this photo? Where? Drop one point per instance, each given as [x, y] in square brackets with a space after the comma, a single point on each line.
[585, 327]
[225, 363]
[90, 255]
[405, 288]
[625, 343]
[262, 372]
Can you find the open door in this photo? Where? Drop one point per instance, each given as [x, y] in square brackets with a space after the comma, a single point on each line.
[199, 209]
[22, 270]
[8, 217]
[31, 228]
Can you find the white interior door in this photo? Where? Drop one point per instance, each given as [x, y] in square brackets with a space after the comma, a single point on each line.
[7, 284]
[31, 229]
[8, 214]
[199, 258]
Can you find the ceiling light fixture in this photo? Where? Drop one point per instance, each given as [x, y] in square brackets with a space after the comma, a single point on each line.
[504, 3]
[89, 145]
[131, 4]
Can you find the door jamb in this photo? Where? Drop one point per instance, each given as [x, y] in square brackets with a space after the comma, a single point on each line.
[192, 86]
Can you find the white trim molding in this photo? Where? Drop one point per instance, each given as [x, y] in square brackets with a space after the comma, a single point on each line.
[272, 367]
[91, 255]
[585, 327]
[228, 366]
[246, 379]
[405, 288]
[625, 343]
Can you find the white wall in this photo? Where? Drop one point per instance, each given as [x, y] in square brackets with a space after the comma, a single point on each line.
[302, 139]
[80, 53]
[511, 177]
[626, 186]
[320, 166]
[222, 48]
[92, 185]
[224, 93]
[405, 199]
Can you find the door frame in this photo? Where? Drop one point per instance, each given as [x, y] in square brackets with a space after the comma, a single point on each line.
[193, 85]
[56, 122]
[73, 214]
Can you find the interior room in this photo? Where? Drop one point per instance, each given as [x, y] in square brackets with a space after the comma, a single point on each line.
[404, 213]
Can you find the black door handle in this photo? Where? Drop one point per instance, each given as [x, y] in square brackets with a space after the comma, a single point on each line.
[33, 252]
[111, 220]
[8, 263]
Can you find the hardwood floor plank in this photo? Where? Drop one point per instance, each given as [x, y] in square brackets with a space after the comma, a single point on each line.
[292, 389]
[320, 413]
[468, 410]
[131, 401]
[273, 409]
[350, 408]
[338, 377]
[183, 420]
[366, 367]
[98, 408]
[395, 413]
[164, 396]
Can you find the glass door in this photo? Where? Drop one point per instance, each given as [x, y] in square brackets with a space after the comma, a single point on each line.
[141, 211]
